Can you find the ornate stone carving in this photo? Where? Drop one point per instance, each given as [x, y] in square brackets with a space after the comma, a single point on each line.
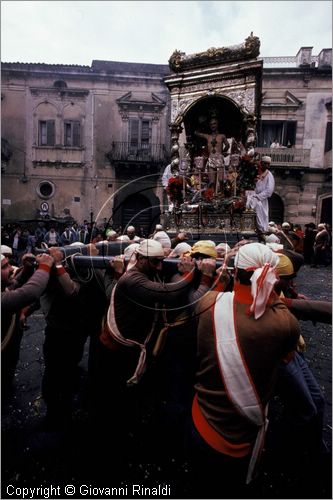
[176, 130]
[247, 50]
[244, 98]
[174, 109]
[214, 85]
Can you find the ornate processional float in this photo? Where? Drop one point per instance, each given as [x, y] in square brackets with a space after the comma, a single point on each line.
[215, 109]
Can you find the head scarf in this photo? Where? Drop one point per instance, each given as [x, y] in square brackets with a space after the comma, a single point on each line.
[260, 259]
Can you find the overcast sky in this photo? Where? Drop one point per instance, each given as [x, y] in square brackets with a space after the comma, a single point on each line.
[76, 32]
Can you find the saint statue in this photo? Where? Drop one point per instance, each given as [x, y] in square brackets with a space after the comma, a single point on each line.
[216, 142]
[217, 146]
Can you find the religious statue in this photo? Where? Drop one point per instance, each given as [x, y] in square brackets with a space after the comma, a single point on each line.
[217, 146]
[216, 142]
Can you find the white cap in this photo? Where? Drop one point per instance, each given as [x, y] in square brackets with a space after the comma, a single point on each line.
[180, 249]
[223, 246]
[150, 248]
[271, 223]
[275, 247]
[130, 249]
[266, 159]
[272, 238]
[123, 237]
[286, 225]
[110, 232]
[76, 244]
[6, 250]
[130, 229]
[320, 226]
[159, 227]
[163, 238]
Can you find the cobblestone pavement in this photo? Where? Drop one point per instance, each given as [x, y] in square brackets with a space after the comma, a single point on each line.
[33, 457]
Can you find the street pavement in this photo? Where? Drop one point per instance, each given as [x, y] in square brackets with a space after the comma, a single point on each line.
[34, 457]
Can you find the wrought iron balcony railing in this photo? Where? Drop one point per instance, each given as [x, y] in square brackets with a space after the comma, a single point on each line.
[286, 156]
[125, 151]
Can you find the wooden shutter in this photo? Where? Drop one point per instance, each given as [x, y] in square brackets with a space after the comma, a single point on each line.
[68, 134]
[134, 133]
[50, 131]
[76, 134]
[328, 138]
[145, 132]
[42, 133]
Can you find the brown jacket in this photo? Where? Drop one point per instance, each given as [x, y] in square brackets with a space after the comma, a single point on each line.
[264, 343]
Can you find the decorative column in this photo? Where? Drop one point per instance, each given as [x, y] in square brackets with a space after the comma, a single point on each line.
[250, 133]
[176, 130]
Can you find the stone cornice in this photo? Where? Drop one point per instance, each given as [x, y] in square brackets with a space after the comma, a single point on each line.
[68, 92]
[179, 61]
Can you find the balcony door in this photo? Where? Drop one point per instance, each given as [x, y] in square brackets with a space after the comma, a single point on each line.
[283, 132]
[139, 137]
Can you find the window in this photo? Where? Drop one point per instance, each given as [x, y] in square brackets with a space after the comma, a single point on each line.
[45, 189]
[72, 130]
[47, 133]
[328, 138]
[283, 132]
[139, 134]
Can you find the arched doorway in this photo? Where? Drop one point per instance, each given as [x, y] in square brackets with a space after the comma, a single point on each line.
[136, 211]
[230, 119]
[276, 209]
[326, 209]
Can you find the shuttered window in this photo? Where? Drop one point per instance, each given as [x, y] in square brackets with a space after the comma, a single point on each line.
[47, 133]
[134, 133]
[139, 133]
[328, 138]
[145, 133]
[72, 131]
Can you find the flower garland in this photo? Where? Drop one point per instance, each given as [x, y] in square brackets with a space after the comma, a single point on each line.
[175, 189]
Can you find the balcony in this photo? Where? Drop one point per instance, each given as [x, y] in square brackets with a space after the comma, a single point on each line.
[59, 156]
[286, 157]
[125, 151]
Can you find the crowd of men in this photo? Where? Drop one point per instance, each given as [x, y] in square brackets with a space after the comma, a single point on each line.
[202, 345]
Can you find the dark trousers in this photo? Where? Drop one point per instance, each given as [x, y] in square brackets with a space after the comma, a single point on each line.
[215, 475]
[175, 372]
[304, 404]
[63, 351]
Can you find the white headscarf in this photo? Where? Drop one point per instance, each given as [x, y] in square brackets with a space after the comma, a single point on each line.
[260, 259]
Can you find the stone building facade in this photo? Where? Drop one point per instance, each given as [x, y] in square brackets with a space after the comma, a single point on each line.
[94, 140]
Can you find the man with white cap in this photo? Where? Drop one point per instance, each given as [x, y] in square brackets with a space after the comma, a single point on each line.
[242, 337]
[133, 322]
[263, 190]
[164, 239]
[130, 231]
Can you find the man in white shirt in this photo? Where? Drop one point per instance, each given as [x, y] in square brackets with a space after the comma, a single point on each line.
[263, 190]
